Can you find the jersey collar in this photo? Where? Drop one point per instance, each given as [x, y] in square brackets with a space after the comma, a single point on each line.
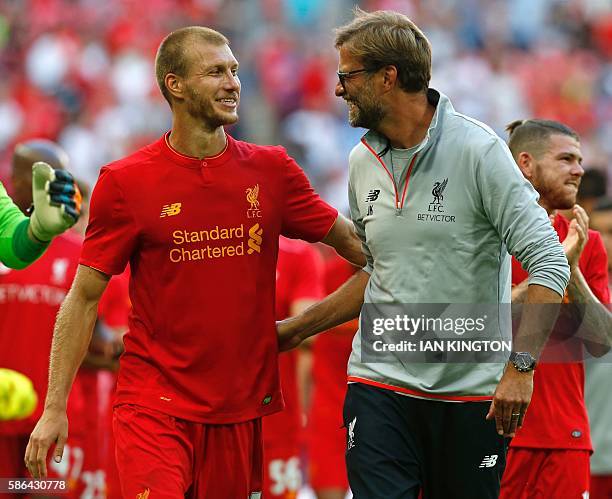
[192, 162]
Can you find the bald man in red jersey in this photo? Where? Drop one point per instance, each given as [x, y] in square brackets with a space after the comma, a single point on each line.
[197, 214]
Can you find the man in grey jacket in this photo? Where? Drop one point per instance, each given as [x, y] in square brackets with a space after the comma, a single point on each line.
[439, 205]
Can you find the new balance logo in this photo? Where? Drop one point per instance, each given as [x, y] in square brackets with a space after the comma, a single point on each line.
[143, 495]
[372, 195]
[489, 461]
[351, 434]
[370, 210]
[169, 210]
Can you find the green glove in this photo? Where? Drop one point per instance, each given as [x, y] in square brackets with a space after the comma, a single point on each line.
[57, 201]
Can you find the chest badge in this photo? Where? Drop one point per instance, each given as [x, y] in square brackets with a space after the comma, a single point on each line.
[252, 195]
[435, 209]
[438, 196]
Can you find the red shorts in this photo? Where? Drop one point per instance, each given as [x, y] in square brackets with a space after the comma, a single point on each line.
[326, 448]
[545, 473]
[168, 457]
[282, 472]
[601, 487]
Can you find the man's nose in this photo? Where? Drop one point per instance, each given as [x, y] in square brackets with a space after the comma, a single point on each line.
[339, 90]
[577, 169]
[232, 82]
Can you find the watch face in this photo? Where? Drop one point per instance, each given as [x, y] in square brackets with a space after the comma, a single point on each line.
[523, 361]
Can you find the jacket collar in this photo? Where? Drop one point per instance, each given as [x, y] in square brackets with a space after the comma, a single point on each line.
[443, 105]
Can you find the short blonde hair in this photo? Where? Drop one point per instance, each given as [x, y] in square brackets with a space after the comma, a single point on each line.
[171, 54]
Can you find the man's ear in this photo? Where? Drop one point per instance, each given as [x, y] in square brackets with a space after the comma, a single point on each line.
[175, 85]
[389, 77]
[526, 164]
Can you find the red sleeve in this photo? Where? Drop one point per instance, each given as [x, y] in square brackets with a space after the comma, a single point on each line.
[308, 277]
[595, 267]
[111, 234]
[306, 216]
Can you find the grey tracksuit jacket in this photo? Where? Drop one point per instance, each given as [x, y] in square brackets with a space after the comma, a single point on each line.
[466, 208]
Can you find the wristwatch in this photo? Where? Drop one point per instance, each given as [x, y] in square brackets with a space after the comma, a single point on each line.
[522, 361]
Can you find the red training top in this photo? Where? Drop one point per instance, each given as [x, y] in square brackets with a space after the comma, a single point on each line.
[331, 352]
[557, 416]
[29, 301]
[201, 237]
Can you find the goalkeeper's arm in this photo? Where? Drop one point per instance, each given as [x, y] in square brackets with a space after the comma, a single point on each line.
[57, 205]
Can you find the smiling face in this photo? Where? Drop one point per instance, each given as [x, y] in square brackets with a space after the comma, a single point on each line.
[557, 172]
[364, 108]
[212, 86]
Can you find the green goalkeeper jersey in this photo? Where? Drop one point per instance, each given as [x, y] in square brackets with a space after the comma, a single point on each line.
[17, 250]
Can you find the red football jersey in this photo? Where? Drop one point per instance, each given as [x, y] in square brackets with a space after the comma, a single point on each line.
[201, 237]
[299, 276]
[331, 351]
[557, 416]
[29, 301]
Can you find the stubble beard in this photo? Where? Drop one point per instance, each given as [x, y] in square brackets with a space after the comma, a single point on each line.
[366, 111]
[553, 195]
[202, 110]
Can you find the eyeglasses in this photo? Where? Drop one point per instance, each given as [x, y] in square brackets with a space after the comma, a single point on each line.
[343, 75]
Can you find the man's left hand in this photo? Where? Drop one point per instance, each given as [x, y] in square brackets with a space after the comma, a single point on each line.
[511, 399]
[577, 236]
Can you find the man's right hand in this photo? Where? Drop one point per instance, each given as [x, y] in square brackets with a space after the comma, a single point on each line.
[51, 428]
[288, 337]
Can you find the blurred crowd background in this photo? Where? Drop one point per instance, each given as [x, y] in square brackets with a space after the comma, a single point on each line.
[81, 72]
